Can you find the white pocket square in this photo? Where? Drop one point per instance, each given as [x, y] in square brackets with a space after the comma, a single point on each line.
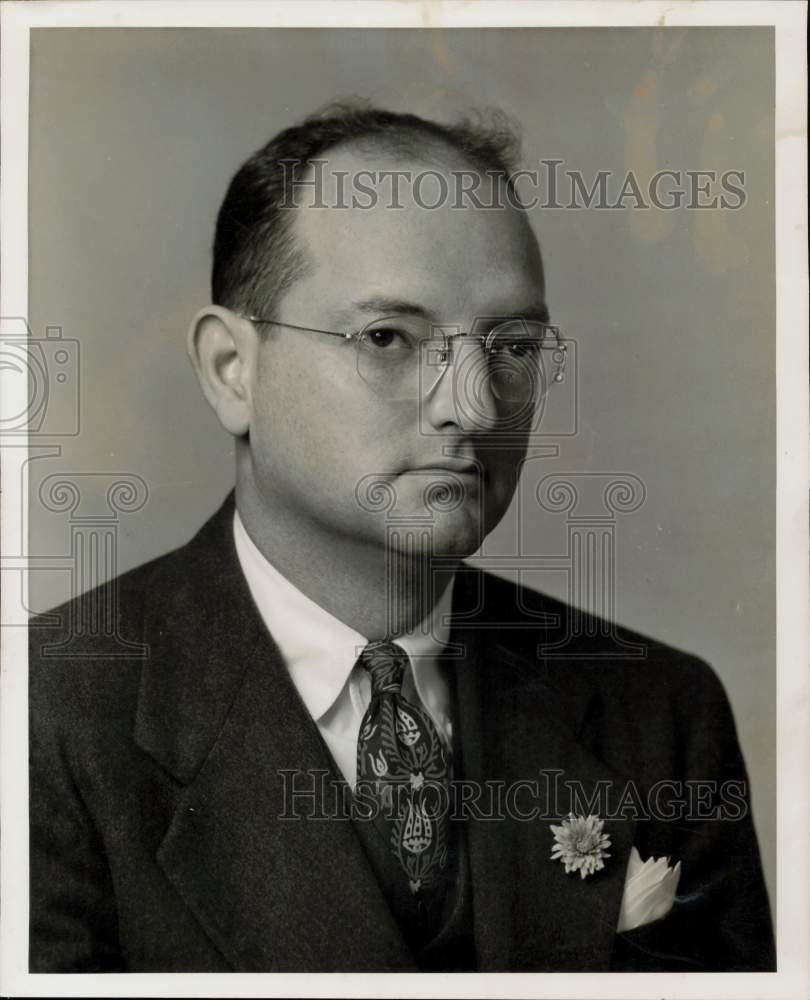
[649, 891]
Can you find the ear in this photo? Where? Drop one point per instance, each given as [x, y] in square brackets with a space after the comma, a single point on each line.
[222, 347]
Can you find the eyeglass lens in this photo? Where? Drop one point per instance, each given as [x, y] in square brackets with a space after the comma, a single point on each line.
[403, 358]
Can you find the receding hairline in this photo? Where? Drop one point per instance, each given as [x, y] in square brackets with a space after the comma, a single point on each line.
[485, 143]
[409, 146]
[425, 149]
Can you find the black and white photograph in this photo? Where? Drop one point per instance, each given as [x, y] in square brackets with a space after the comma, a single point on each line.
[404, 450]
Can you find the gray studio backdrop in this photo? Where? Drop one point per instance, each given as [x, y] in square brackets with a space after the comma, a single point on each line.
[134, 136]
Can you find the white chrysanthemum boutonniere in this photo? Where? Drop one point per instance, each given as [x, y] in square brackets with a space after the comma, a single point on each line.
[580, 844]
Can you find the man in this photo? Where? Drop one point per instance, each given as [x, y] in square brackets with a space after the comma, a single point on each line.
[274, 785]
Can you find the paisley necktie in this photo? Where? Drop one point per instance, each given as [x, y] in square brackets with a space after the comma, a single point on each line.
[403, 774]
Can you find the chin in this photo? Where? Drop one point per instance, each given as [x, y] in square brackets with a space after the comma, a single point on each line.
[431, 515]
[457, 534]
[458, 547]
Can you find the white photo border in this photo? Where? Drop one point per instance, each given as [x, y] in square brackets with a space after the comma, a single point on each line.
[793, 842]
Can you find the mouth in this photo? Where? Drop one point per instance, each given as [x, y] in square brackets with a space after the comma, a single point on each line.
[455, 467]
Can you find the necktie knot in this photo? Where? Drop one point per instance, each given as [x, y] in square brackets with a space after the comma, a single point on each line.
[385, 663]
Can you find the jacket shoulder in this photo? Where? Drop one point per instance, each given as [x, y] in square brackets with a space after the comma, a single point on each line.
[568, 646]
[93, 645]
[126, 594]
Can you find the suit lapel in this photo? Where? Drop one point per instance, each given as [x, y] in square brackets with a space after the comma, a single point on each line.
[218, 711]
[515, 727]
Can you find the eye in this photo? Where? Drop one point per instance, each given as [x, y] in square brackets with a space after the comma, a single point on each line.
[388, 337]
[522, 348]
[509, 346]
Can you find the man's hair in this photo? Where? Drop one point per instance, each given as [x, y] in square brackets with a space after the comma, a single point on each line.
[256, 255]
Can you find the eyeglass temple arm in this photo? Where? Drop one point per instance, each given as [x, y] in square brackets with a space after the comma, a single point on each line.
[303, 329]
[559, 345]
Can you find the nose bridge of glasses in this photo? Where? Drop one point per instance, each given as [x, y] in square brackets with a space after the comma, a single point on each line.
[437, 356]
[444, 339]
[446, 346]
[436, 346]
[445, 332]
[449, 348]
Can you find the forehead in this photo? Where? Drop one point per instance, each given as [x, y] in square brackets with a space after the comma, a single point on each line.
[452, 253]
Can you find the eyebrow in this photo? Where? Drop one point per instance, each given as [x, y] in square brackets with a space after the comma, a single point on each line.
[387, 306]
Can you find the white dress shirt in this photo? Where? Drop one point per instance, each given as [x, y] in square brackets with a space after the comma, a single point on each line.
[321, 653]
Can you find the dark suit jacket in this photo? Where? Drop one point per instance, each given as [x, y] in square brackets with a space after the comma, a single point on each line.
[156, 842]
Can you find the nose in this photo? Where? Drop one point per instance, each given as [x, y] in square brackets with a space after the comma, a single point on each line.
[461, 395]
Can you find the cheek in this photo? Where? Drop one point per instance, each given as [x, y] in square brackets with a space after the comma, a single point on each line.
[313, 424]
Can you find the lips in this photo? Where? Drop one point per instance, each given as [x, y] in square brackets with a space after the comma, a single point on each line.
[455, 466]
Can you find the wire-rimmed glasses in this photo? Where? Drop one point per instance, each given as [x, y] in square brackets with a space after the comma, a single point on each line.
[403, 357]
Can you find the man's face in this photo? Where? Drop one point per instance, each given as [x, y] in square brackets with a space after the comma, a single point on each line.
[321, 437]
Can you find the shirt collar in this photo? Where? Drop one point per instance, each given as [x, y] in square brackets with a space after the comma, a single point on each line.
[318, 649]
